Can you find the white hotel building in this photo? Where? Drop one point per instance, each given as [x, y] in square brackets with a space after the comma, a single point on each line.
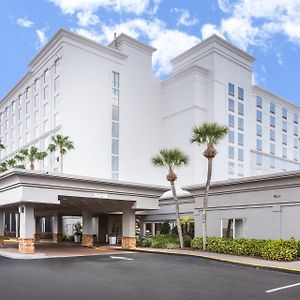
[118, 115]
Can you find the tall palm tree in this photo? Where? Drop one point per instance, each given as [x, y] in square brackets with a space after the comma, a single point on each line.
[32, 154]
[171, 158]
[3, 167]
[208, 134]
[63, 144]
[13, 163]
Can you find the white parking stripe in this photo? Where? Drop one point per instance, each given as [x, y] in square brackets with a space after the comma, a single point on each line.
[283, 288]
[121, 257]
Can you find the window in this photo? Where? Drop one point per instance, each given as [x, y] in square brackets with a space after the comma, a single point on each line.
[272, 149]
[13, 105]
[231, 104]
[27, 107]
[258, 159]
[36, 131]
[115, 164]
[231, 120]
[231, 168]
[296, 155]
[240, 124]
[35, 85]
[258, 116]
[272, 135]
[240, 154]
[258, 130]
[27, 92]
[46, 126]
[36, 116]
[27, 123]
[241, 93]
[56, 102]
[231, 136]
[115, 113]
[284, 126]
[296, 118]
[240, 170]
[231, 89]
[46, 75]
[20, 114]
[240, 139]
[240, 108]
[259, 101]
[295, 130]
[233, 228]
[115, 147]
[284, 139]
[56, 66]
[115, 130]
[272, 121]
[36, 100]
[20, 128]
[259, 145]
[272, 107]
[46, 110]
[57, 120]
[231, 152]
[46, 93]
[272, 162]
[20, 100]
[56, 83]
[284, 152]
[13, 119]
[296, 142]
[284, 113]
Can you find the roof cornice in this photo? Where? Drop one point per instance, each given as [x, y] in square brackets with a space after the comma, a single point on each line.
[217, 39]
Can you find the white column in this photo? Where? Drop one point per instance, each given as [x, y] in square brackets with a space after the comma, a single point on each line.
[17, 217]
[1, 229]
[57, 228]
[128, 229]
[153, 228]
[87, 229]
[27, 222]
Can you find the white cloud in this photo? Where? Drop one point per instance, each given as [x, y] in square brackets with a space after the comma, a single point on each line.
[279, 58]
[87, 18]
[185, 18]
[90, 34]
[24, 22]
[209, 29]
[42, 38]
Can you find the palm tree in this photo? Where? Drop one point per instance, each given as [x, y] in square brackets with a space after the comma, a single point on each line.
[32, 154]
[171, 158]
[3, 167]
[63, 144]
[208, 134]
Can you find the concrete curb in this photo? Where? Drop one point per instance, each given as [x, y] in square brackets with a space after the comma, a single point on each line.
[229, 261]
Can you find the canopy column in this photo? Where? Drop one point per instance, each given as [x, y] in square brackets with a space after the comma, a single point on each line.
[1, 229]
[27, 229]
[57, 229]
[87, 229]
[128, 229]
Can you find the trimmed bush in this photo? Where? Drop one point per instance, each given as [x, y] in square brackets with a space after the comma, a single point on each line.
[286, 250]
[167, 241]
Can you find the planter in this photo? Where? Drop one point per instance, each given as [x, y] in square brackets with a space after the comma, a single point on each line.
[112, 240]
[77, 238]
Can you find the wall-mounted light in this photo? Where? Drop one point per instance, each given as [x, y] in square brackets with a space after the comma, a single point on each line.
[276, 196]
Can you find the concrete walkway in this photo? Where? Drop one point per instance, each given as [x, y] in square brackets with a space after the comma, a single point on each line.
[293, 266]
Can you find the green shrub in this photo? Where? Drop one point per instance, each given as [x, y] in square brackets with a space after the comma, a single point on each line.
[165, 228]
[169, 241]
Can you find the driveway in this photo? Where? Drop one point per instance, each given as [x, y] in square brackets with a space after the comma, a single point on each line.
[140, 276]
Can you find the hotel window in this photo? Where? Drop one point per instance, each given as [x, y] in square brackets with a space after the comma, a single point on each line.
[27, 137]
[46, 75]
[57, 119]
[231, 89]
[272, 121]
[13, 105]
[241, 93]
[231, 120]
[20, 128]
[46, 110]
[258, 159]
[272, 135]
[296, 155]
[296, 142]
[56, 102]
[36, 100]
[295, 118]
[19, 141]
[272, 107]
[258, 130]
[13, 132]
[240, 108]
[1, 117]
[230, 152]
[20, 114]
[36, 131]
[259, 145]
[27, 107]
[240, 124]
[6, 125]
[240, 139]
[240, 154]
[231, 104]
[115, 130]
[46, 126]
[295, 130]
[56, 65]
[13, 119]
[36, 114]
[115, 147]
[284, 113]
[259, 101]
[272, 149]
[56, 83]
[231, 168]
[272, 162]
[284, 126]
[46, 93]
[27, 123]
[20, 100]
[233, 228]
[284, 139]
[231, 136]
[240, 170]
[284, 152]
[258, 116]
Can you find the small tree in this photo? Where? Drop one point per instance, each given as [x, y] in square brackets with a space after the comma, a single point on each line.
[3, 167]
[172, 158]
[208, 134]
[63, 144]
[32, 154]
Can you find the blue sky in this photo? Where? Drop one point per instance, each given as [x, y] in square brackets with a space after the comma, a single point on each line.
[267, 29]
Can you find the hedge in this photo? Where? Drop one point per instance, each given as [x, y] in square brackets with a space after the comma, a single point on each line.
[286, 250]
[167, 241]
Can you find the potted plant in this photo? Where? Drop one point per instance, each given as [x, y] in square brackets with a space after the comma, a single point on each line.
[113, 235]
[77, 233]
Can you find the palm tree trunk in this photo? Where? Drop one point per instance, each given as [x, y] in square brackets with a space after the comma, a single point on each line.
[31, 165]
[61, 162]
[179, 229]
[205, 203]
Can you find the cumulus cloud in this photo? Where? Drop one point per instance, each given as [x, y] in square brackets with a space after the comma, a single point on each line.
[42, 38]
[24, 22]
[185, 18]
[90, 34]
[87, 18]
[209, 29]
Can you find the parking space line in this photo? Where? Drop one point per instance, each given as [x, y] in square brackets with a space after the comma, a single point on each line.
[121, 257]
[282, 288]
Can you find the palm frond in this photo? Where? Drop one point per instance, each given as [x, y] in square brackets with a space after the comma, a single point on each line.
[170, 158]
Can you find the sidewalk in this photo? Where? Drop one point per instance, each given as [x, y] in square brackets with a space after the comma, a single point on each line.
[293, 266]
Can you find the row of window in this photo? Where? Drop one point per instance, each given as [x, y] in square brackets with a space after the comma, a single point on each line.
[231, 91]
[275, 163]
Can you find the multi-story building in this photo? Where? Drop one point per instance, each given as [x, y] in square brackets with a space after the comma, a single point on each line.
[119, 115]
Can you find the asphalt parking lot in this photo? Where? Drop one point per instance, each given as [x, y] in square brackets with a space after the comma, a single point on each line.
[140, 276]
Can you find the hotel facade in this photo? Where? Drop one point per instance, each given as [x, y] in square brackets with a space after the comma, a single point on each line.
[118, 116]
